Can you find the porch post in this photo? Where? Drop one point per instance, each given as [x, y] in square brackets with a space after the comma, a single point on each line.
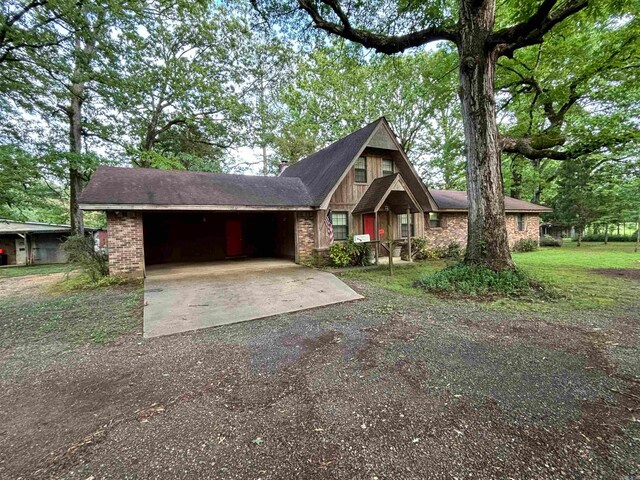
[376, 236]
[409, 222]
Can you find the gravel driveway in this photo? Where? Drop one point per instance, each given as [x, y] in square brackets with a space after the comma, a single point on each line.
[387, 387]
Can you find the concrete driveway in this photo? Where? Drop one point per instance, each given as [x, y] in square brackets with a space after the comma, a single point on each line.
[183, 297]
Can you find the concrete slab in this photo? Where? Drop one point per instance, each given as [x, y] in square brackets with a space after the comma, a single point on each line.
[183, 297]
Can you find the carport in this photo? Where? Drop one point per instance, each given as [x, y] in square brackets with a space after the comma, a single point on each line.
[160, 217]
[206, 236]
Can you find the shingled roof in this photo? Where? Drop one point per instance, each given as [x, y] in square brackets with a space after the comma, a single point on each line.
[321, 171]
[457, 200]
[152, 187]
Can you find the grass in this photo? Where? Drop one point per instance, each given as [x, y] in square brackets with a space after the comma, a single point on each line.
[22, 271]
[73, 318]
[567, 270]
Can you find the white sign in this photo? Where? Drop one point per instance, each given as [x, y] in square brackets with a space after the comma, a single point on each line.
[361, 238]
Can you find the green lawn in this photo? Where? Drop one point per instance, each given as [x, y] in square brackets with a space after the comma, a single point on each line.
[566, 269]
[11, 271]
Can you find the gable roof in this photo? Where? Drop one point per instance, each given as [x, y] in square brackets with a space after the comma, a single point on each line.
[457, 200]
[369, 201]
[381, 189]
[321, 171]
[139, 188]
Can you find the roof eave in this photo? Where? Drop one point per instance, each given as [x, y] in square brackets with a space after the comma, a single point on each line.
[151, 207]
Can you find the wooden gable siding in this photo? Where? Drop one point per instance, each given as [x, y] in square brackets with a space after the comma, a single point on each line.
[349, 192]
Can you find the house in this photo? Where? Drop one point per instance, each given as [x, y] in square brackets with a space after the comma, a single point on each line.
[364, 183]
[32, 243]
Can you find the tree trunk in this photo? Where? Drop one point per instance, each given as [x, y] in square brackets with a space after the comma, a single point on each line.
[75, 147]
[606, 234]
[487, 242]
[516, 177]
[579, 236]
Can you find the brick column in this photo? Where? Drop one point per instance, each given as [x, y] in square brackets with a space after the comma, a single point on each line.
[305, 236]
[125, 243]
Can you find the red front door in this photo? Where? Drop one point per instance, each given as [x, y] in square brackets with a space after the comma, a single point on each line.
[369, 220]
[234, 238]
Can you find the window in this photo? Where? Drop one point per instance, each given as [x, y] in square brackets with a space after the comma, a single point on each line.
[387, 167]
[403, 226]
[434, 219]
[361, 170]
[340, 222]
[520, 222]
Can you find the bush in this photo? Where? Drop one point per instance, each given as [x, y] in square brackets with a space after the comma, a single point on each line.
[81, 252]
[454, 251]
[475, 280]
[599, 237]
[84, 282]
[525, 245]
[549, 241]
[349, 254]
[421, 250]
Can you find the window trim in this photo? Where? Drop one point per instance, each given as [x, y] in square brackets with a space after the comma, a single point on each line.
[346, 226]
[388, 172]
[356, 169]
[520, 223]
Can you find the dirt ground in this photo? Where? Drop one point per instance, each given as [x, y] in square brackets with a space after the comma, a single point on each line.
[630, 273]
[386, 387]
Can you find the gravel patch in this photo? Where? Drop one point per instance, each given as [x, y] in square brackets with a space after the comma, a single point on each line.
[387, 387]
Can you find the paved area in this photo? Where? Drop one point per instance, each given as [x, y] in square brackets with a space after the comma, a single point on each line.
[184, 297]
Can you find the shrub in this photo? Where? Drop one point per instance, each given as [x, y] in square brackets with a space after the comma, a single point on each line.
[476, 280]
[549, 241]
[525, 245]
[599, 237]
[420, 247]
[81, 252]
[454, 251]
[349, 254]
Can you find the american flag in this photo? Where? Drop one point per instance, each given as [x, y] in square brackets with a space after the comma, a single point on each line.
[327, 222]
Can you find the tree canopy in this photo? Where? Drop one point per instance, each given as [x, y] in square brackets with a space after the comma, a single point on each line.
[241, 86]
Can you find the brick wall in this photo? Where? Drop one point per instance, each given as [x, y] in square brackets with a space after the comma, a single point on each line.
[306, 236]
[454, 229]
[531, 224]
[125, 243]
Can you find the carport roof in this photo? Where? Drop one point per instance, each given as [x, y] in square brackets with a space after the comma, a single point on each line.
[117, 187]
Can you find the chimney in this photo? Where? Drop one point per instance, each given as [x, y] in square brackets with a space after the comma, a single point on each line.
[282, 166]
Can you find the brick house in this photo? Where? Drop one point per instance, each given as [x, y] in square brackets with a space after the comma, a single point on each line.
[364, 183]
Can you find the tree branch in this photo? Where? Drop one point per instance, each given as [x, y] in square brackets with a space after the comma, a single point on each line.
[388, 44]
[532, 31]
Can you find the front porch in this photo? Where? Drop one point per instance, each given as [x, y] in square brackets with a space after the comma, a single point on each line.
[387, 213]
